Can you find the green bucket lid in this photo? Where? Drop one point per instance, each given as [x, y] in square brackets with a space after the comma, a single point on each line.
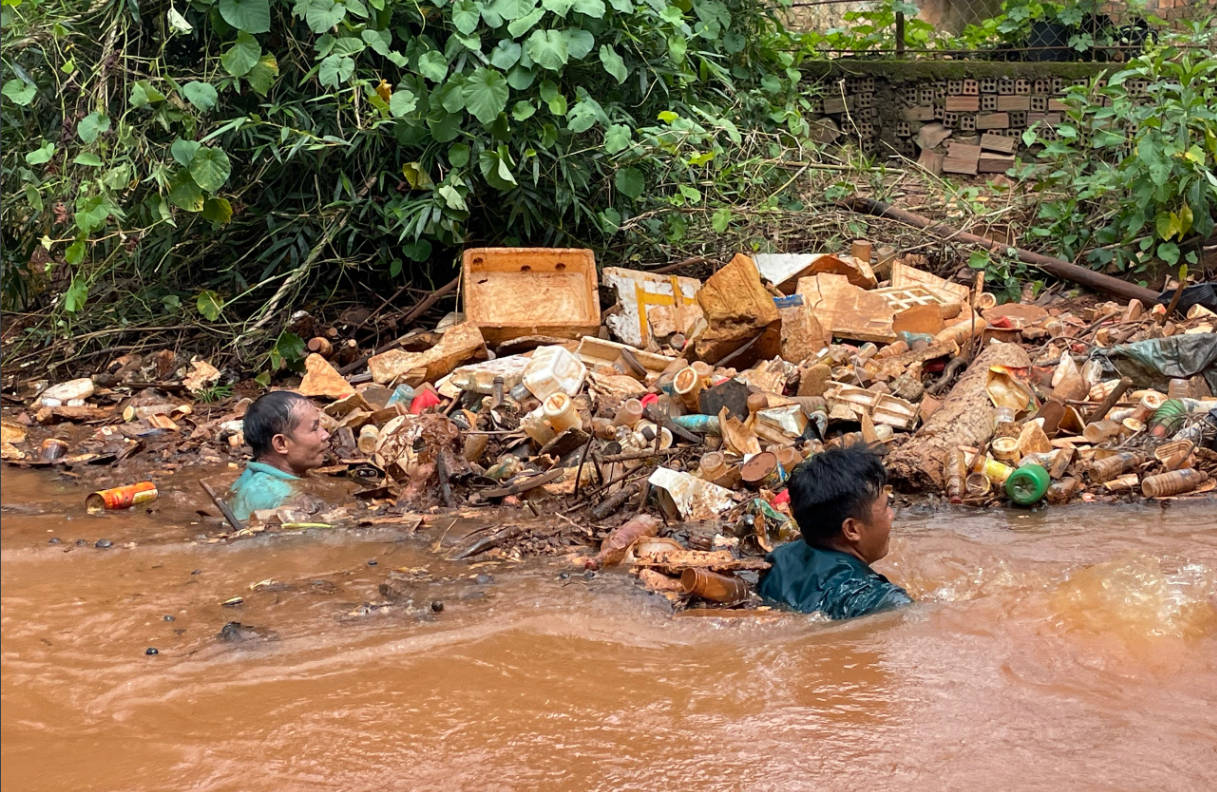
[1028, 484]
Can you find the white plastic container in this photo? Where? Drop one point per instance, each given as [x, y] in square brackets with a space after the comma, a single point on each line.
[72, 392]
[536, 427]
[560, 411]
[554, 369]
[479, 377]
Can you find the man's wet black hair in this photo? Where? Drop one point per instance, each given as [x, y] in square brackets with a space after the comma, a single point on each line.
[833, 486]
[273, 413]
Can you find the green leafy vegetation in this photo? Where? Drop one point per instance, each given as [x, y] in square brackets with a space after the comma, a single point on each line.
[233, 153]
[1130, 175]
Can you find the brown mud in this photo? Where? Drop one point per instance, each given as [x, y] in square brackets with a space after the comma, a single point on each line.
[1072, 646]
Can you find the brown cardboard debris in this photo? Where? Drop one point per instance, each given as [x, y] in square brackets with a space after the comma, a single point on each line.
[1019, 314]
[322, 380]
[919, 319]
[857, 271]
[845, 311]
[202, 376]
[802, 334]
[462, 342]
[737, 307]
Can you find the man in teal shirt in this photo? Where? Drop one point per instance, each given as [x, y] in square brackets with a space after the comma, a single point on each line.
[285, 433]
[839, 499]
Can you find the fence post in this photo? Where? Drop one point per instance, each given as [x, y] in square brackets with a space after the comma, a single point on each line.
[899, 34]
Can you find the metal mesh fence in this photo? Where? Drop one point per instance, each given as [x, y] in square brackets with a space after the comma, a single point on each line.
[1041, 29]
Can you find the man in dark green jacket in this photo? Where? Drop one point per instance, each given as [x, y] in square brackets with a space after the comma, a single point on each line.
[839, 499]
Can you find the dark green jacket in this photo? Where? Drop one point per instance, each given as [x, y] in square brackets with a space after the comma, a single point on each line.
[836, 584]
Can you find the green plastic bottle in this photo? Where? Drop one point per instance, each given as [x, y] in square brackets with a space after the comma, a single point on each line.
[1027, 485]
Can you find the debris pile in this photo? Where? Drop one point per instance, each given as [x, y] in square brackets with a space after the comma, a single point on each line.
[696, 400]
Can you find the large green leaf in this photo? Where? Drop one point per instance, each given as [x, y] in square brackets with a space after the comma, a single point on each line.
[612, 62]
[496, 168]
[591, 8]
[243, 55]
[19, 91]
[433, 65]
[458, 155]
[486, 94]
[322, 15]
[92, 125]
[200, 94]
[262, 76]
[465, 16]
[77, 294]
[335, 70]
[144, 94]
[91, 214]
[582, 116]
[252, 16]
[210, 168]
[184, 150]
[209, 305]
[90, 159]
[578, 42]
[378, 40]
[184, 193]
[402, 102]
[513, 9]
[630, 182]
[505, 55]
[547, 48]
[559, 7]
[524, 24]
[42, 154]
[622, 6]
[217, 210]
[616, 138]
[521, 78]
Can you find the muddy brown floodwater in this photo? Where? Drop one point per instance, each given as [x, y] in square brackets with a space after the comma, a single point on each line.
[1073, 648]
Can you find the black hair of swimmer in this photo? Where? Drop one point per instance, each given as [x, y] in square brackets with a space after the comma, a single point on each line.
[833, 486]
[272, 414]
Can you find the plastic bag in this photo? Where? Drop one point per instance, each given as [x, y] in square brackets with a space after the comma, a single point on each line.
[1153, 363]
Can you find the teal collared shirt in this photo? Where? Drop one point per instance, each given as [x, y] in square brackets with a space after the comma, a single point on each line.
[261, 486]
[836, 584]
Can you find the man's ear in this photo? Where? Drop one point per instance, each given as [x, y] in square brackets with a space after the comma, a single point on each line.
[851, 529]
[279, 443]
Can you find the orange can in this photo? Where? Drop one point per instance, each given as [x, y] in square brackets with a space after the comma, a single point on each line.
[121, 497]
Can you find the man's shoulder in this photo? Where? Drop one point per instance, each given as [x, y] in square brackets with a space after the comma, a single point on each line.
[812, 579]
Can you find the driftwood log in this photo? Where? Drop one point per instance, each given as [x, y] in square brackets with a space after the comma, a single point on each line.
[965, 418]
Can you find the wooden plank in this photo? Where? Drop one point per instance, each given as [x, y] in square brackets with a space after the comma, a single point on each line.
[919, 113]
[993, 121]
[963, 104]
[996, 163]
[998, 142]
[959, 150]
[967, 167]
[931, 161]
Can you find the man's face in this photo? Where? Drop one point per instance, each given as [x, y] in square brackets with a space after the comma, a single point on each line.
[305, 445]
[876, 533]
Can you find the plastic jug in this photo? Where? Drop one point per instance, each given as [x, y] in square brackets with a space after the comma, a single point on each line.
[554, 369]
